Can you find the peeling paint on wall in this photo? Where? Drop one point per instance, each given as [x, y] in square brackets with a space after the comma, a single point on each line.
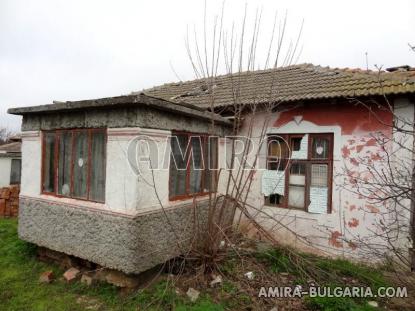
[352, 245]
[273, 182]
[353, 223]
[352, 119]
[334, 239]
[345, 152]
[318, 200]
[372, 209]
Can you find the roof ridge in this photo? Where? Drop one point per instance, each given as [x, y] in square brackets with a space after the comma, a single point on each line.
[375, 76]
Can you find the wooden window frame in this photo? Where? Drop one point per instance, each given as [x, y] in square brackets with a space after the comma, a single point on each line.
[308, 163]
[58, 133]
[189, 195]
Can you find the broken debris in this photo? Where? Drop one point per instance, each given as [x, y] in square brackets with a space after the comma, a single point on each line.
[217, 279]
[46, 277]
[250, 275]
[71, 275]
[192, 294]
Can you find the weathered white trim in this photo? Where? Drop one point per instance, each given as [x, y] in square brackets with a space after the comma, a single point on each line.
[132, 131]
[30, 135]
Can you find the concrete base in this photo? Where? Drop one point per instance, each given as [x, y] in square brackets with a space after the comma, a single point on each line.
[125, 243]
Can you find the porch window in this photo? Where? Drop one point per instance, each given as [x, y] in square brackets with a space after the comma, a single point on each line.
[306, 160]
[73, 163]
[193, 163]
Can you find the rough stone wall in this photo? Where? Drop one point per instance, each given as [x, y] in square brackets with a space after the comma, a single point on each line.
[129, 244]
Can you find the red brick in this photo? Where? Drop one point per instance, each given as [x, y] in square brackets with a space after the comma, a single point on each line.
[71, 275]
[9, 201]
[46, 277]
[7, 213]
[2, 207]
[5, 193]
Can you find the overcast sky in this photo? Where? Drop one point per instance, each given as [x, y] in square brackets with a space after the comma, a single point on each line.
[69, 50]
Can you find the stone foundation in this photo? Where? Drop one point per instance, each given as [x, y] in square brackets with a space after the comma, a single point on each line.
[116, 241]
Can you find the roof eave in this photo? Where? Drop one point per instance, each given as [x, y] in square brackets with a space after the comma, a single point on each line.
[122, 101]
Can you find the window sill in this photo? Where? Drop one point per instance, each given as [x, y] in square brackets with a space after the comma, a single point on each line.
[188, 197]
[286, 208]
[71, 201]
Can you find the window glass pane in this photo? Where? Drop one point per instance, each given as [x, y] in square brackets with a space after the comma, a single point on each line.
[297, 169]
[98, 156]
[296, 143]
[274, 199]
[15, 171]
[319, 174]
[178, 164]
[319, 188]
[64, 167]
[80, 164]
[296, 191]
[210, 157]
[277, 147]
[320, 148]
[48, 162]
[196, 165]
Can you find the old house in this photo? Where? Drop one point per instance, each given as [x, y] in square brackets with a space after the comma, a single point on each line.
[10, 162]
[81, 193]
[330, 138]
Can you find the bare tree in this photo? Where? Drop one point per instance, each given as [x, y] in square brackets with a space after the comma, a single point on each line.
[5, 135]
[236, 50]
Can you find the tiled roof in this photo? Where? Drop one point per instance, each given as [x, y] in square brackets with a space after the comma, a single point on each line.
[292, 83]
[14, 147]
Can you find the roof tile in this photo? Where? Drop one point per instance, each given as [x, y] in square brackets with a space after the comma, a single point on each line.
[291, 83]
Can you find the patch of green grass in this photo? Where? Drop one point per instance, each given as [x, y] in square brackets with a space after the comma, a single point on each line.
[19, 273]
[229, 266]
[204, 304]
[327, 272]
[162, 296]
[336, 304]
[344, 268]
[21, 290]
[229, 287]
[278, 261]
